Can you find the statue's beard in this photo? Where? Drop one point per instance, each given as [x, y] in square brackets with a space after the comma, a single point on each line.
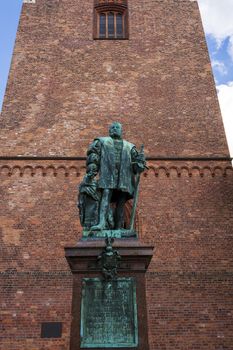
[115, 135]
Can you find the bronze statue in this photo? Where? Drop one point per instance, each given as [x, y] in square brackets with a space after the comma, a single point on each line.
[118, 165]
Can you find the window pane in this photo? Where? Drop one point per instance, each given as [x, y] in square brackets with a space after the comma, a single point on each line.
[102, 33]
[111, 25]
[119, 25]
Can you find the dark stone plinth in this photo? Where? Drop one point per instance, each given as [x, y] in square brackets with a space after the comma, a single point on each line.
[83, 257]
[83, 262]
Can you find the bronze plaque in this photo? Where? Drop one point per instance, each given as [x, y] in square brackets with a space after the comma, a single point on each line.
[109, 313]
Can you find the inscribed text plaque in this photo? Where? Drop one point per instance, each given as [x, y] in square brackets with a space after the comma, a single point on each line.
[109, 313]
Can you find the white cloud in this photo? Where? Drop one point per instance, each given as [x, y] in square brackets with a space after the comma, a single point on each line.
[217, 17]
[217, 21]
[220, 67]
[225, 95]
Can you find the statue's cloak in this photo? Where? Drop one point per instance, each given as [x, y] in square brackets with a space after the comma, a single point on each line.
[126, 180]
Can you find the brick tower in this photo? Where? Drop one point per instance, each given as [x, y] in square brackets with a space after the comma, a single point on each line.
[71, 76]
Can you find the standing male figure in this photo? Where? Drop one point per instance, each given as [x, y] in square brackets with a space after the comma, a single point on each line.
[118, 162]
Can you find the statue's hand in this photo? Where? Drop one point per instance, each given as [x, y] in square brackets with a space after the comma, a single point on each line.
[140, 158]
[139, 164]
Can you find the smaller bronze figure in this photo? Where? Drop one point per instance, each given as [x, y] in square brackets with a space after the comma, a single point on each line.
[89, 199]
[109, 260]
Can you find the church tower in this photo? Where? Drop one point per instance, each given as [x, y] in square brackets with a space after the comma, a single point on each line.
[77, 67]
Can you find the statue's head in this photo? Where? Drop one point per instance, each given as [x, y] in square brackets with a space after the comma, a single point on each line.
[115, 130]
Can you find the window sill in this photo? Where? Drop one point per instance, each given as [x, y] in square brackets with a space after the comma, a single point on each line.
[110, 38]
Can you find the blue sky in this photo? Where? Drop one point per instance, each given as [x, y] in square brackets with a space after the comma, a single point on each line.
[9, 18]
[221, 60]
[217, 17]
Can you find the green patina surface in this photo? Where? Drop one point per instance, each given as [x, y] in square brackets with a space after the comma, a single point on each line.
[109, 233]
[109, 313]
[112, 177]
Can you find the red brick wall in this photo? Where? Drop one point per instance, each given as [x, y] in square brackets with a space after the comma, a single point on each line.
[66, 86]
[64, 89]
[189, 219]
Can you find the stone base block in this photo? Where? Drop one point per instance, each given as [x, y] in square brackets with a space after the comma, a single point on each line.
[109, 314]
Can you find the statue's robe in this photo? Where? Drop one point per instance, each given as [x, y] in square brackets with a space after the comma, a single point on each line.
[107, 167]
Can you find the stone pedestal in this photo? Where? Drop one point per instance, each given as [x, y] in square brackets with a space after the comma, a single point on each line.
[112, 311]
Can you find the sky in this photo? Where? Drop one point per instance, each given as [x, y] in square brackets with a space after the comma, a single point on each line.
[217, 18]
[9, 18]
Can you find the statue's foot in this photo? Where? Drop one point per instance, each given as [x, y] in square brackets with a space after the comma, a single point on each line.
[99, 227]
